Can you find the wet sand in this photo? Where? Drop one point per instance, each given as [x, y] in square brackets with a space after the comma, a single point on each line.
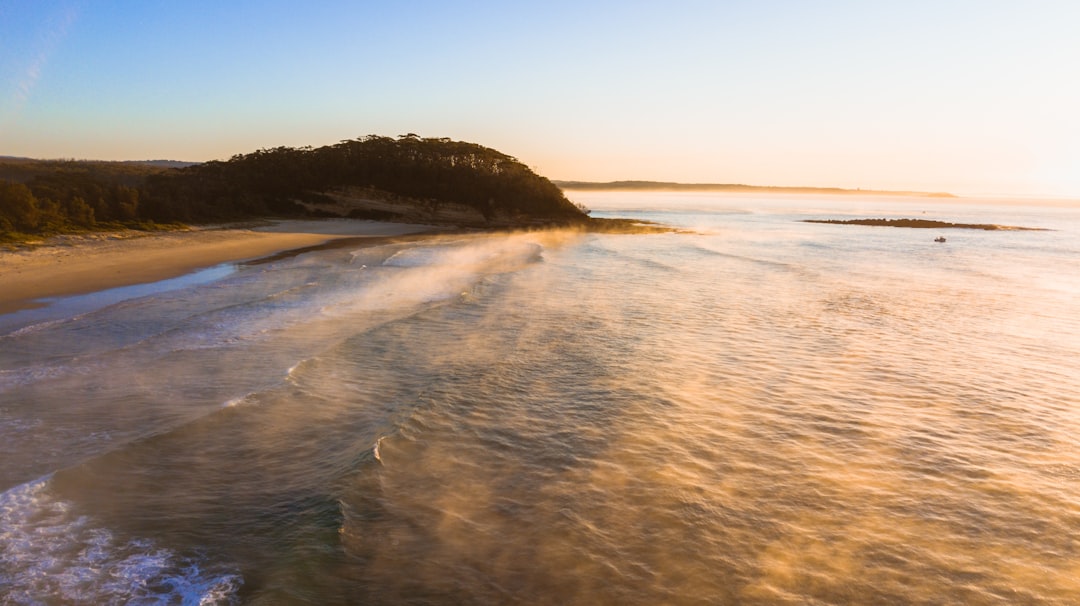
[71, 265]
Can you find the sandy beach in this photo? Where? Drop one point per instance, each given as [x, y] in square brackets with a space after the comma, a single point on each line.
[71, 265]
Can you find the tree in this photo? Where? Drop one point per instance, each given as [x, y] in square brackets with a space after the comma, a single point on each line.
[79, 212]
[18, 206]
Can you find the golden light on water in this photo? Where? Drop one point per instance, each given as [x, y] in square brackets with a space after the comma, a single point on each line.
[756, 411]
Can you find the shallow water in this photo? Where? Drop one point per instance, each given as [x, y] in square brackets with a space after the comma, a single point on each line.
[763, 411]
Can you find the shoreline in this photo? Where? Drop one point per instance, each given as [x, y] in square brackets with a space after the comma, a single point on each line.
[75, 265]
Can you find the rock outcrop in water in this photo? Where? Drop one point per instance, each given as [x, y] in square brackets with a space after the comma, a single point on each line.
[922, 224]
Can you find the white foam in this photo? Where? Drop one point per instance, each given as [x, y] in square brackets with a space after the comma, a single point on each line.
[290, 375]
[417, 257]
[32, 328]
[375, 449]
[237, 401]
[17, 377]
[48, 553]
[476, 254]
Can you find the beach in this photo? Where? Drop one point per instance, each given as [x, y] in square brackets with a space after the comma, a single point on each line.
[71, 265]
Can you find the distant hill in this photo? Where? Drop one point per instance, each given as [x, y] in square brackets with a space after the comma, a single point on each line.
[735, 188]
[129, 172]
[162, 163]
[158, 163]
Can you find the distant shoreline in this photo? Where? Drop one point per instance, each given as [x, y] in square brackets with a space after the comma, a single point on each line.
[736, 188]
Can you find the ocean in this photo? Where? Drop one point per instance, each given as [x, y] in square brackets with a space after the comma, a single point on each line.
[755, 410]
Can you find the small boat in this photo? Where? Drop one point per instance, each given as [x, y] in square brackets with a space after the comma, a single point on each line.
[939, 239]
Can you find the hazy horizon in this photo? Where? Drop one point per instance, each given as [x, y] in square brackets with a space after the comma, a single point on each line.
[785, 190]
[963, 97]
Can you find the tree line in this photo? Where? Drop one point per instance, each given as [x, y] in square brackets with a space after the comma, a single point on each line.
[273, 182]
[62, 203]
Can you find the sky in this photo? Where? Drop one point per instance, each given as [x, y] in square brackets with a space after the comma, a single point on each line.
[965, 96]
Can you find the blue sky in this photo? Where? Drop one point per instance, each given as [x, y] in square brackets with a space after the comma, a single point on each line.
[958, 95]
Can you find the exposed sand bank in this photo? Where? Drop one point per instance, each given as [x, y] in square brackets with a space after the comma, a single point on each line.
[71, 265]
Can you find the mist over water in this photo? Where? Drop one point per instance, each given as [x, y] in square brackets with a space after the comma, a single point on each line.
[764, 411]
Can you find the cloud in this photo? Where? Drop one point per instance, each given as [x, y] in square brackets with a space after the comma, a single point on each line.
[56, 28]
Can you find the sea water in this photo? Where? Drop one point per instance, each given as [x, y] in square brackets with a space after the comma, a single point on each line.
[754, 410]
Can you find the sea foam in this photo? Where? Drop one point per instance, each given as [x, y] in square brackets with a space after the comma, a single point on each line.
[49, 551]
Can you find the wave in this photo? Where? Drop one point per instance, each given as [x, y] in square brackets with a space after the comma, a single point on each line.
[52, 553]
[37, 326]
[486, 253]
[780, 265]
[253, 302]
[375, 449]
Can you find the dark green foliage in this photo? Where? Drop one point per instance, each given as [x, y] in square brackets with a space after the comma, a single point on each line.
[64, 202]
[428, 170]
[56, 196]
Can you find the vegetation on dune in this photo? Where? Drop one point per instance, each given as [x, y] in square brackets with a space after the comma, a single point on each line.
[38, 197]
[65, 202]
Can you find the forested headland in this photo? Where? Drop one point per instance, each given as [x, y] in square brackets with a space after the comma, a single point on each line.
[407, 178]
